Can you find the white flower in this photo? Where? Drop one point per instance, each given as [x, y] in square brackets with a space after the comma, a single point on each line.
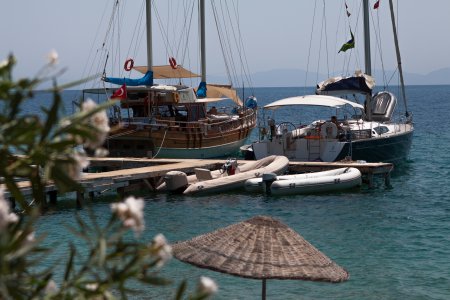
[131, 213]
[99, 121]
[53, 57]
[207, 286]
[92, 286]
[51, 288]
[6, 217]
[101, 152]
[75, 167]
[4, 63]
[162, 248]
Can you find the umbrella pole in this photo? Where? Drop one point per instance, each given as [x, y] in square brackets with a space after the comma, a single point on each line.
[264, 289]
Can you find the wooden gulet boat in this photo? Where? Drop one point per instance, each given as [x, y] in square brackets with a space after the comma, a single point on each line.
[175, 120]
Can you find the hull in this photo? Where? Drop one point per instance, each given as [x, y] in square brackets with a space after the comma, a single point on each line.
[394, 149]
[176, 139]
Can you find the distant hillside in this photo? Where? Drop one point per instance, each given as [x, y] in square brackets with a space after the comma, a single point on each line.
[297, 77]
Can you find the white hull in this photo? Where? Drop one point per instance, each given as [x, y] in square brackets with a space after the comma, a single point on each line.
[317, 182]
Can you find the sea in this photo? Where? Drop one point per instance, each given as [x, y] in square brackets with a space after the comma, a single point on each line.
[394, 241]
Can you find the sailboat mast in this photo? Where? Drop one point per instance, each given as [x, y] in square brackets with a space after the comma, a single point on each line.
[149, 34]
[202, 39]
[367, 54]
[397, 50]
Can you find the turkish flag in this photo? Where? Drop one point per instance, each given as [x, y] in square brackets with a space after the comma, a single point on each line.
[121, 93]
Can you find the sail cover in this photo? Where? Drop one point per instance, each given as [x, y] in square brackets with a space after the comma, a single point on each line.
[359, 83]
[167, 72]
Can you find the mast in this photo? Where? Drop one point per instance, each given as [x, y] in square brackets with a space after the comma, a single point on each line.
[148, 15]
[368, 61]
[202, 39]
[399, 60]
[367, 56]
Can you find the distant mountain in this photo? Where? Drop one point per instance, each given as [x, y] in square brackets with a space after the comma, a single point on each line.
[297, 77]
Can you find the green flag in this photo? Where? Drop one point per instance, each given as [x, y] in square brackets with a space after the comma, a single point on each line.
[349, 45]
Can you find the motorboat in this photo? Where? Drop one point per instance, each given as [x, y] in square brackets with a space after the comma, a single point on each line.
[307, 183]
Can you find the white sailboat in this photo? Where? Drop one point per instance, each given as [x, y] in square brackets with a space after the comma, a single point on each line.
[174, 120]
[369, 132]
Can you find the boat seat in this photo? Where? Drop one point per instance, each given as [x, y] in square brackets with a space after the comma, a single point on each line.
[203, 174]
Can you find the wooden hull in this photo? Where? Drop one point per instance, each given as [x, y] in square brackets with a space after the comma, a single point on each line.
[170, 139]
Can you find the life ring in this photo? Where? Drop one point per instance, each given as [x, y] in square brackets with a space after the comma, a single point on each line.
[176, 97]
[328, 130]
[128, 65]
[173, 63]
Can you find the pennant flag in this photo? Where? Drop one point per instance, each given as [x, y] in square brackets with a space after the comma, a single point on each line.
[346, 8]
[120, 93]
[350, 44]
[376, 5]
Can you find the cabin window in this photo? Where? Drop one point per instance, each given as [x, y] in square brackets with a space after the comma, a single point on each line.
[381, 129]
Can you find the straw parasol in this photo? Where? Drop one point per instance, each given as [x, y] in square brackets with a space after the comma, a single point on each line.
[259, 248]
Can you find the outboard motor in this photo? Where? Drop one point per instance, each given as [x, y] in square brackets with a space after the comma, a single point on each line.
[176, 181]
[267, 180]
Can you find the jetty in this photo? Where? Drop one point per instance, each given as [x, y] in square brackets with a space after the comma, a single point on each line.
[126, 175]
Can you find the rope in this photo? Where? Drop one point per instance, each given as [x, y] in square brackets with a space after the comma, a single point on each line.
[164, 138]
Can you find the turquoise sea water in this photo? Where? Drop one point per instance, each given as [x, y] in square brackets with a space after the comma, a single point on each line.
[394, 242]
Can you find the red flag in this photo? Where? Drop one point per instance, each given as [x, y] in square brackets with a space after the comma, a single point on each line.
[121, 93]
[376, 5]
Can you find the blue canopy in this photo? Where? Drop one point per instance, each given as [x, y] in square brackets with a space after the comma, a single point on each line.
[147, 79]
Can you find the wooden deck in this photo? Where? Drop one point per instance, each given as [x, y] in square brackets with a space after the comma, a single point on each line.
[131, 174]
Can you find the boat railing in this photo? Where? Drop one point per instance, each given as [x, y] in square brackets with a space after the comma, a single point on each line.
[246, 119]
[231, 122]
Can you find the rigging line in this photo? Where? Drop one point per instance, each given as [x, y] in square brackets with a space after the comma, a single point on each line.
[163, 32]
[241, 49]
[378, 40]
[185, 56]
[220, 36]
[91, 65]
[357, 62]
[233, 75]
[310, 43]
[320, 49]
[335, 50]
[326, 38]
[235, 42]
[185, 30]
[136, 33]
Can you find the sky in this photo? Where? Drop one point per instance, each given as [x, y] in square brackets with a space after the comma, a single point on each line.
[275, 34]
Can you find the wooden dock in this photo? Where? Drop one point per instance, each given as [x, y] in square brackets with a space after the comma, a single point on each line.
[131, 174]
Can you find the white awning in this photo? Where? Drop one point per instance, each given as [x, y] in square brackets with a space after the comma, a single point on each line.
[313, 100]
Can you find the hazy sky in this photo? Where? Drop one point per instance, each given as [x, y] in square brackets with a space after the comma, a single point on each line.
[276, 34]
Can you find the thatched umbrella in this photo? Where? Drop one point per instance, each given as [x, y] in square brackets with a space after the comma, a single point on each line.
[259, 248]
